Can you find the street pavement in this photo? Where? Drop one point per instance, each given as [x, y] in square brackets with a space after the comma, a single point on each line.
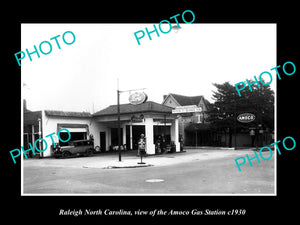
[205, 171]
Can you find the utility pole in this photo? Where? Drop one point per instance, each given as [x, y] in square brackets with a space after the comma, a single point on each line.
[119, 123]
[196, 137]
[235, 118]
[40, 136]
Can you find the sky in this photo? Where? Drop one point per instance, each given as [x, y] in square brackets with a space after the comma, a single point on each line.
[84, 76]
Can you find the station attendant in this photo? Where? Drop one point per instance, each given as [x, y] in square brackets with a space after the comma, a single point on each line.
[142, 145]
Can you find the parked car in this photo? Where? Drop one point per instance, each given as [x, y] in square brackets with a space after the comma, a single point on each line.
[78, 147]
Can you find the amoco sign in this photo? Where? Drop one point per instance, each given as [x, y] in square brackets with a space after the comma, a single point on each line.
[246, 117]
[137, 98]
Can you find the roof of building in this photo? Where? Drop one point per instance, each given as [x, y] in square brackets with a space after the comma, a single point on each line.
[148, 106]
[187, 100]
[67, 114]
[183, 100]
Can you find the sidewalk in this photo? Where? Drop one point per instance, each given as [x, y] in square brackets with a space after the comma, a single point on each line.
[130, 160]
[191, 155]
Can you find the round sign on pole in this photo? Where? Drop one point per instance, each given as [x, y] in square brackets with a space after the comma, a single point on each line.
[137, 98]
[246, 117]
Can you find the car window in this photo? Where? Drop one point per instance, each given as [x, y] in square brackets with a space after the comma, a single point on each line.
[80, 143]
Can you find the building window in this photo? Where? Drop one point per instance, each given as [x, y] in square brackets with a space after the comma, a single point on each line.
[198, 118]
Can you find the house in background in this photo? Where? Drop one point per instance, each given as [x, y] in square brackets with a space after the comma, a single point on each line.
[193, 127]
[196, 130]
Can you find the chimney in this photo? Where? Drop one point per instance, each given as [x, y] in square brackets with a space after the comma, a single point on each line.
[25, 105]
[165, 96]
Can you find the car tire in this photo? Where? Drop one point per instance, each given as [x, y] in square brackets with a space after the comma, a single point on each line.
[97, 148]
[65, 154]
[89, 152]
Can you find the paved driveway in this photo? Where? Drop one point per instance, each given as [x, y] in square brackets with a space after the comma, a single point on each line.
[194, 172]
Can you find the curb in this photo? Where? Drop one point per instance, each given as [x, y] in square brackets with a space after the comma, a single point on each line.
[209, 148]
[132, 166]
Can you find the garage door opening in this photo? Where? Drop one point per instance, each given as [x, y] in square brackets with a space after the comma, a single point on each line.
[76, 134]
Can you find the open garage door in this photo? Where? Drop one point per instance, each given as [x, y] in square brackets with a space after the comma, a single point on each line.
[78, 132]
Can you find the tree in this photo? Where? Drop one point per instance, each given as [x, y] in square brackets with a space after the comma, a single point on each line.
[228, 104]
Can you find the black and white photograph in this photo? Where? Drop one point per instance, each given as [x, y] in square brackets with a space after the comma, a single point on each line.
[159, 116]
[149, 113]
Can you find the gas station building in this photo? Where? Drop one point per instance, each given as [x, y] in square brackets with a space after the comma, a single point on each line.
[149, 118]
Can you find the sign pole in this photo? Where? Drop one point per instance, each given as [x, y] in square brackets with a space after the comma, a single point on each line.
[118, 109]
[141, 153]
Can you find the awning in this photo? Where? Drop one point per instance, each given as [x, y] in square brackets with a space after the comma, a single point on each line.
[72, 130]
[73, 127]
